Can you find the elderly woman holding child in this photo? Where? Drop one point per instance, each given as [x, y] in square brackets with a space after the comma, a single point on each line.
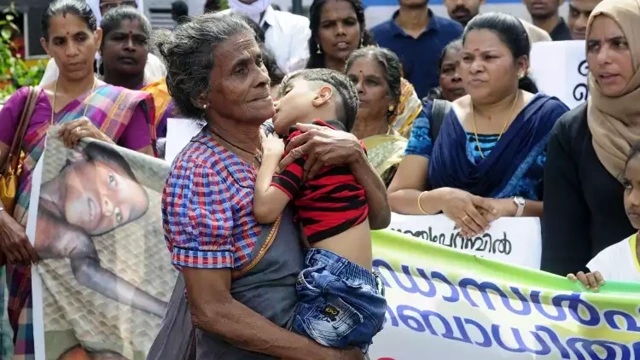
[240, 275]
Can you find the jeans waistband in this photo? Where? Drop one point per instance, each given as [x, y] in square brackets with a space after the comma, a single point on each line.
[340, 266]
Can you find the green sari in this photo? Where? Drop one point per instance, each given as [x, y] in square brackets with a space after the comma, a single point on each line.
[385, 153]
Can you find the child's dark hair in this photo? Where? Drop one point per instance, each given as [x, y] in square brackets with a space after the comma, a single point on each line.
[347, 109]
[78, 8]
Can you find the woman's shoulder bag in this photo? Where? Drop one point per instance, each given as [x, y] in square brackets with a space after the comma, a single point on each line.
[11, 168]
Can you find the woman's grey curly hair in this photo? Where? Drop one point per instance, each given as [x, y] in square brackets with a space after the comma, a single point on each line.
[188, 52]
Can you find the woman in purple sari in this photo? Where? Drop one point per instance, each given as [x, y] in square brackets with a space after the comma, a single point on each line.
[84, 107]
[488, 159]
[125, 49]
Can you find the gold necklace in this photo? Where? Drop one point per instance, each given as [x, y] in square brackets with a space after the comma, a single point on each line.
[55, 94]
[504, 127]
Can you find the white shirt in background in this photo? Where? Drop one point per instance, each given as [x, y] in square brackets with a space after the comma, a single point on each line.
[287, 36]
[618, 262]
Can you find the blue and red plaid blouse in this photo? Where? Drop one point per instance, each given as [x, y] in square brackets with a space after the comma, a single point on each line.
[207, 207]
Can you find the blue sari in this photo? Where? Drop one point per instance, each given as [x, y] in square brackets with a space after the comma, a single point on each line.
[511, 167]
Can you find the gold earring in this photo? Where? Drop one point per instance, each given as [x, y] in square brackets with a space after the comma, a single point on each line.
[391, 107]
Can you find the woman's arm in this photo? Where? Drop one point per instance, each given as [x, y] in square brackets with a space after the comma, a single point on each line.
[375, 192]
[463, 208]
[136, 136]
[508, 208]
[327, 147]
[15, 247]
[408, 184]
[215, 311]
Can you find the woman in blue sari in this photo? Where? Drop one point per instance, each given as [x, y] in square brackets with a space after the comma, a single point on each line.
[488, 159]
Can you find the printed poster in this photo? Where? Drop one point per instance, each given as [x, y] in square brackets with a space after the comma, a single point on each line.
[105, 276]
[516, 241]
[565, 77]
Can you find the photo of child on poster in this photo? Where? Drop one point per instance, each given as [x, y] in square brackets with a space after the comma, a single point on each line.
[98, 235]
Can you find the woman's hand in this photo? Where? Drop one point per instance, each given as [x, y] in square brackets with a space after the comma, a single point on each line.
[72, 132]
[590, 280]
[323, 146]
[14, 243]
[503, 207]
[462, 207]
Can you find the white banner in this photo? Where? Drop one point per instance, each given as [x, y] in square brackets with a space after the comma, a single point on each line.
[564, 78]
[514, 241]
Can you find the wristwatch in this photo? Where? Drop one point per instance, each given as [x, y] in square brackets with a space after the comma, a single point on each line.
[520, 203]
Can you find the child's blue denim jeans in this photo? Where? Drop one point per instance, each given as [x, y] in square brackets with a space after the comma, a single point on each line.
[341, 304]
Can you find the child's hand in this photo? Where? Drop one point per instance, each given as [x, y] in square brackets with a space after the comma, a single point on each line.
[272, 144]
[590, 280]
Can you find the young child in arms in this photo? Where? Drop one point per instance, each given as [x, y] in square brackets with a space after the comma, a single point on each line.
[621, 261]
[341, 302]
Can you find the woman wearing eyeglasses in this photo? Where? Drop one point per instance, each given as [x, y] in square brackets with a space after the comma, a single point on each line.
[154, 69]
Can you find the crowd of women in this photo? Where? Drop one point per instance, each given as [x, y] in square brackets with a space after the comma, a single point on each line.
[484, 145]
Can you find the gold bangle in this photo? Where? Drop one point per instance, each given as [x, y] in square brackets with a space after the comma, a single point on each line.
[420, 205]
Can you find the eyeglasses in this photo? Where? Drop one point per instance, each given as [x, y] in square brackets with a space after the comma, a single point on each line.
[106, 6]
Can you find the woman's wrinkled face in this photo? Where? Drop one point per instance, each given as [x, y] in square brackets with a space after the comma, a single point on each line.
[631, 182]
[339, 33]
[72, 44]
[100, 197]
[609, 56]
[125, 49]
[373, 89]
[488, 70]
[239, 82]
[450, 80]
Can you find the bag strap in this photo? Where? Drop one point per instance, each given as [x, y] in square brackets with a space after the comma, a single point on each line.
[439, 110]
[25, 118]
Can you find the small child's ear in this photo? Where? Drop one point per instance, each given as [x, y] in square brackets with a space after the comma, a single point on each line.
[322, 96]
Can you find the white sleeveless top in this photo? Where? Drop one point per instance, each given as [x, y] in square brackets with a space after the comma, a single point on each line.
[618, 262]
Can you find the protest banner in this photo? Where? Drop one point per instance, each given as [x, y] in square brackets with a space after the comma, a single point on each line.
[445, 304]
[104, 281]
[511, 240]
[566, 76]
[105, 275]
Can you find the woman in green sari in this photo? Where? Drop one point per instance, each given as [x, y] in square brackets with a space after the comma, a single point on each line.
[377, 73]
